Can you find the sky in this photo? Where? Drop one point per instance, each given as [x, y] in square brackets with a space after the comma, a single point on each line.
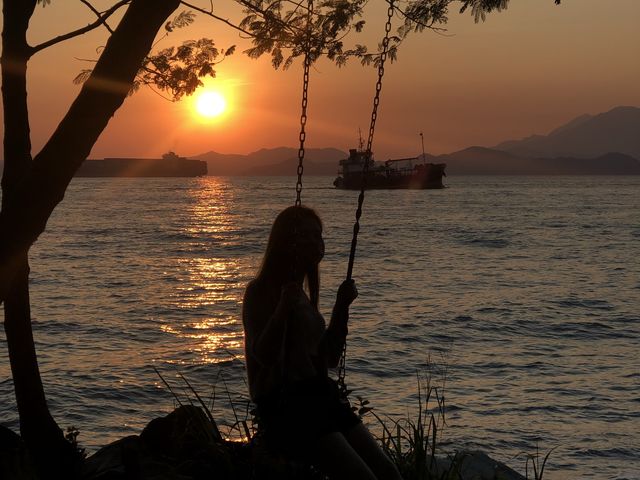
[526, 70]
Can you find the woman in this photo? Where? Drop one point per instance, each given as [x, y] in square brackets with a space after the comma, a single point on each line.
[289, 350]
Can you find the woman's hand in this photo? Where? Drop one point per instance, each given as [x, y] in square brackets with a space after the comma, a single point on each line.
[347, 293]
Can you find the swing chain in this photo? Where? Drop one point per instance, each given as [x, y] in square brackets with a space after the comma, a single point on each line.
[383, 59]
[372, 128]
[305, 101]
[365, 169]
[303, 134]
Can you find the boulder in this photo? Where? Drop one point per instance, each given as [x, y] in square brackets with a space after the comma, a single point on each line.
[476, 465]
[184, 445]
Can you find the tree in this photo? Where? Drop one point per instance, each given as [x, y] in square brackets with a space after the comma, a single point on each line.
[32, 186]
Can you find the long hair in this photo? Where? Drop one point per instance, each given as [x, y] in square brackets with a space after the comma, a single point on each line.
[279, 262]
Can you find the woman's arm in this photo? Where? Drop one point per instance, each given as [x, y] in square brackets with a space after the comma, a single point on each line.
[336, 334]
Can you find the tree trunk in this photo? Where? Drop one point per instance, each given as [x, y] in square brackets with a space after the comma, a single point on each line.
[32, 189]
[54, 457]
[25, 218]
[36, 423]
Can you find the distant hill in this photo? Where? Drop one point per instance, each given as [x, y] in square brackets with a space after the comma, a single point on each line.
[603, 144]
[470, 161]
[486, 161]
[587, 136]
[275, 161]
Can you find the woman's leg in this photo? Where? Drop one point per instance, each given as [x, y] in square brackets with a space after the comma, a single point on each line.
[368, 449]
[336, 457]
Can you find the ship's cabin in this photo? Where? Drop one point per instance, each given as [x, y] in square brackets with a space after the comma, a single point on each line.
[355, 162]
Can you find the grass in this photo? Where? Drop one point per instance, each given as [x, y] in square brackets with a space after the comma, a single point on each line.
[412, 442]
[534, 460]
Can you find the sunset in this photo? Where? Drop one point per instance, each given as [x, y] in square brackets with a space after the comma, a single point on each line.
[265, 239]
[524, 71]
[210, 104]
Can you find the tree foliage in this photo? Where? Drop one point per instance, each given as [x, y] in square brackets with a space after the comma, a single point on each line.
[286, 30]
[178, 70]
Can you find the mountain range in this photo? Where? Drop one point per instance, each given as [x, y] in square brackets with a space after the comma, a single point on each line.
[604, 144]
[587, 136]
[274, 161]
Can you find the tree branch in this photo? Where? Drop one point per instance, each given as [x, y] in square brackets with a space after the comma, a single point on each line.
[98, 14]
[15, 55]
[81, 31]
[216, 17]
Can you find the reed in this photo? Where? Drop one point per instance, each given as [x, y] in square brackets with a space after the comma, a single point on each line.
[534, 460]
[412, 442]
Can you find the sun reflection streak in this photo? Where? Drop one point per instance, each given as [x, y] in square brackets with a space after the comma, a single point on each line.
[210, 292]
[210, 282]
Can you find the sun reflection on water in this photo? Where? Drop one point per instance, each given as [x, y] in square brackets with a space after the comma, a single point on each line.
[211, 281]
[209, 290]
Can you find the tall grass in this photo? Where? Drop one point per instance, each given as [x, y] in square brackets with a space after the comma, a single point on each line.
[534, 461]
[412, 442]
[241, 430]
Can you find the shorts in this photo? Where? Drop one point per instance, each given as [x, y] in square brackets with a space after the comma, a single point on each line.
[303, 412]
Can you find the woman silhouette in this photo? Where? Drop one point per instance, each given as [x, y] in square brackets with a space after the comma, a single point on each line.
[289, 350]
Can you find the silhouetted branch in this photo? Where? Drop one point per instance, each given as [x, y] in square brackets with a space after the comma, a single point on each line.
[81, 31]
[98, 14]
[210, 13]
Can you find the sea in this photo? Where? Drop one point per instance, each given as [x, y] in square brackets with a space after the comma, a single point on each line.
[516, 298]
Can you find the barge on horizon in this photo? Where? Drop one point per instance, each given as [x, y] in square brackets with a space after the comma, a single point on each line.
[170, 165]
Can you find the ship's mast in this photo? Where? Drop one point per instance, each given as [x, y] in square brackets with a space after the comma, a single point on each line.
[424, 157]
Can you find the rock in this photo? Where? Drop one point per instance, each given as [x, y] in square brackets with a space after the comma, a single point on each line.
[189, 438]
[184, 445]
[476, 465]
[177, 434]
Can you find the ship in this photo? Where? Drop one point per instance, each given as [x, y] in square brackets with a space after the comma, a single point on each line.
[170, 165]
[412, 172]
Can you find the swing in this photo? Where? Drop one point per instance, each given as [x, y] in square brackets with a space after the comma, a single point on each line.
[365, 168]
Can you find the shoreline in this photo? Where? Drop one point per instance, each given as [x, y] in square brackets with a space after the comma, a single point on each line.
[186, 444]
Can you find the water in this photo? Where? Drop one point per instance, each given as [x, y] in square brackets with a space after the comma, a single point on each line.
[526, 288]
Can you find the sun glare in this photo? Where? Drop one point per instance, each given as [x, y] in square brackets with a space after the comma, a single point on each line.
[210, 104]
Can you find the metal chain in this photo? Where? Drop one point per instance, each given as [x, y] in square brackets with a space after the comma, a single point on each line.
[302, 137]
[305, 100]
[372, 128]
[365, 170]
[303, 134]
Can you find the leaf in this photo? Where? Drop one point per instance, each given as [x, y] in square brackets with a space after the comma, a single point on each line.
[364, 410]
[178, 70]
[82, 77]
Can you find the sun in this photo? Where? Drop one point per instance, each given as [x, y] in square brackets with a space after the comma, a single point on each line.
[210, 104]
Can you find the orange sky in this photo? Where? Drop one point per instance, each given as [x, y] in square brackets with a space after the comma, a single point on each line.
[523, 71]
